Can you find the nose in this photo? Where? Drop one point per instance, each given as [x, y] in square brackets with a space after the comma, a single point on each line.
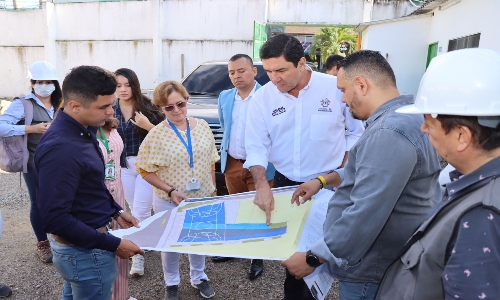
[274, 77]
[110, 111]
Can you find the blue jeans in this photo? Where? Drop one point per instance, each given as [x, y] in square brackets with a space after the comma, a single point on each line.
[35, 219]
[357, 291]
[89, 274]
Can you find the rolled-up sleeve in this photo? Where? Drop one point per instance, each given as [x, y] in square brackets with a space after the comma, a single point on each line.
[8, 120]
[257, 139]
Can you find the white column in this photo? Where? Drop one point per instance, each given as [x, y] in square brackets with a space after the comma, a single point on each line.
[367, 10]
[157, 42]
[50, 31]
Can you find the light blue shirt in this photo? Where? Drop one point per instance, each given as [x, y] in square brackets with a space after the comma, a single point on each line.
[15, 113]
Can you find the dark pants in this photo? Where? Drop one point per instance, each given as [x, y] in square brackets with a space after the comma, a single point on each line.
[294, 289]
[35, 219]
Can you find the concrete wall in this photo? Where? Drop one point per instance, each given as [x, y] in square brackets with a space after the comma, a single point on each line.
[404, 46]
[159, 39]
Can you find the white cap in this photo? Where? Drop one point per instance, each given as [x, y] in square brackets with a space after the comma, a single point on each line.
[463, 83]
[42, 70]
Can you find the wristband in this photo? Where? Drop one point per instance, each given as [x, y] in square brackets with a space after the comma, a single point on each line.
[169, 193]
[322, 179]
[320, 183]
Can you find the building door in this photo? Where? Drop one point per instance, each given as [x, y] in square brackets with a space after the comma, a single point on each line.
[259, 38]
[431, 53]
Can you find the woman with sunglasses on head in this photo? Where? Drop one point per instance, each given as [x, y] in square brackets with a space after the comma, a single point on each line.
[45, 96]
[136, 115]
[178, 158]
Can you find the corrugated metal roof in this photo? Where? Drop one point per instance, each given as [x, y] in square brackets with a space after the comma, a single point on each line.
[429, 6]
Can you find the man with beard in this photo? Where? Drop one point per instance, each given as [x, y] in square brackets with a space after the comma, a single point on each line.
[388, 186]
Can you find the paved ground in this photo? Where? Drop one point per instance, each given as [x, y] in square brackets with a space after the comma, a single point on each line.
[31, 279]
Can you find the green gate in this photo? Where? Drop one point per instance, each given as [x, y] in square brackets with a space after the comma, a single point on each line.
[259, 38]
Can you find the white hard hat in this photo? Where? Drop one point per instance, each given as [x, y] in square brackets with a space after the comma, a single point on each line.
[463, 82]
[42, 70]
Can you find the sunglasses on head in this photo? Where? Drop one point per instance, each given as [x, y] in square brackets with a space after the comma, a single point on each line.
[180, 104]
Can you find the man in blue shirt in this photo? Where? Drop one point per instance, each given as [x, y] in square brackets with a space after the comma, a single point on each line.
[74, 203]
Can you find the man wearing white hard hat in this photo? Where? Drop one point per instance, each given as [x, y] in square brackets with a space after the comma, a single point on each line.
[45, 97]
[455, 253]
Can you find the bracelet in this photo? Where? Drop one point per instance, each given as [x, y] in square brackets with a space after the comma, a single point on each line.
[169, 193]
[323, 181]
[119, 213]
[320, 183]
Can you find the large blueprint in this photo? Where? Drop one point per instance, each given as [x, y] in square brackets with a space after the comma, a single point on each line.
[233, 226]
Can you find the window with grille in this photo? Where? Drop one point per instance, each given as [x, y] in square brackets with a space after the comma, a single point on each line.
[471, 41]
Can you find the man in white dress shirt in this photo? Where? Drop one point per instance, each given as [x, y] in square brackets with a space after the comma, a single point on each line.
[299, 124]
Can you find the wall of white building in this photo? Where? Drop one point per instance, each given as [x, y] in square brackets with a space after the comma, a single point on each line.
[404, 46]
[159, 39]
[406, 40]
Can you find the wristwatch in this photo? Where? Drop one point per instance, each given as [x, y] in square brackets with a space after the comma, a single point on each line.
[312, 260]
[119, 213]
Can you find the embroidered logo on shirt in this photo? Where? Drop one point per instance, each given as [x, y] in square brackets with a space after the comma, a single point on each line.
[325, 103]
[278, 111]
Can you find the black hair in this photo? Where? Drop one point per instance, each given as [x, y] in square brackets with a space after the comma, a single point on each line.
[486, 137]
[332, 61]
[85, 83]
[370, 64]
[140, 102]
[55, 97]
[283, 45]
[238, 56]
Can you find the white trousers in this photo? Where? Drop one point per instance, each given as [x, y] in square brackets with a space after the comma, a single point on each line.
[138, 192]
[170, 260]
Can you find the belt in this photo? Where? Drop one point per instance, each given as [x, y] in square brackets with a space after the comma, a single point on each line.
[240, 160]
[62, 240]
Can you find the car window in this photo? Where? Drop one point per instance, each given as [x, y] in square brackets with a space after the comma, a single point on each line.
[213, 79]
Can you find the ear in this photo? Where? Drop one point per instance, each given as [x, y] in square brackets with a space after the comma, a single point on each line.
[302, 63]
[361, 85]
[74, 106]
[254, 71]
[464, 138]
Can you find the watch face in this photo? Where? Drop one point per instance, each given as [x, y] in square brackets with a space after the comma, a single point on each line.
[312, 260]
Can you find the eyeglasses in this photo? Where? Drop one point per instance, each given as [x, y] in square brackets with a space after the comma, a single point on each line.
[180, 104]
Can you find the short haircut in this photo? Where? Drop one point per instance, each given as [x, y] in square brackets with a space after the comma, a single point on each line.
[486, 138]
[332, 61]
[85, 83]
[283, 45]
[369, 64]
[164, 89]
[238, 56]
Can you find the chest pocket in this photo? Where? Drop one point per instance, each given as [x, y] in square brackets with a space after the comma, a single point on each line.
[323, 126]
[412, 257]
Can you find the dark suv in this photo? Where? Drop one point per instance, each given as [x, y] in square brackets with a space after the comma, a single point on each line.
[204, 84]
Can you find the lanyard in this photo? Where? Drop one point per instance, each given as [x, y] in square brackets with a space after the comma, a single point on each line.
[103, 140]
[188, 145]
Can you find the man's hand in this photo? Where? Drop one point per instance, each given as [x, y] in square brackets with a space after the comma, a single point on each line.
[177, 197]
[127, 249]
[297, 266]
[126, 220]
[265, 200]
[306, 191]
[142, 121]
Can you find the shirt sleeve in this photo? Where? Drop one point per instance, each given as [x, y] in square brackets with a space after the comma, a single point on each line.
[473, 268]
[257, 139]
[57, 188]
[147, 156]
[221, 115]
[381, 176]
[8, 120]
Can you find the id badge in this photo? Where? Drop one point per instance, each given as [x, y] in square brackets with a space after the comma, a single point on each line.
[193, 185]
[110, 171]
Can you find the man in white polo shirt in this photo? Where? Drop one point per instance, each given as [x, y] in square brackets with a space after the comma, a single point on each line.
[298, 123]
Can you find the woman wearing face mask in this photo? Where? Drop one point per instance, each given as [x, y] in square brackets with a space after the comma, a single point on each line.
[136, 115]
[45, 96]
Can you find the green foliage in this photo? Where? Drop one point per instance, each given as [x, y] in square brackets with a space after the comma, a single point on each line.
[328, 40]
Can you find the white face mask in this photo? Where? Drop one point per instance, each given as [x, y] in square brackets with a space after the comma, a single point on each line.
[44, 90]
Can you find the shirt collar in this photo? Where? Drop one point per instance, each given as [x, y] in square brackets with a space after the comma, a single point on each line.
[488, 170]
[74, 126]
[238, 97]
[403, 100]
